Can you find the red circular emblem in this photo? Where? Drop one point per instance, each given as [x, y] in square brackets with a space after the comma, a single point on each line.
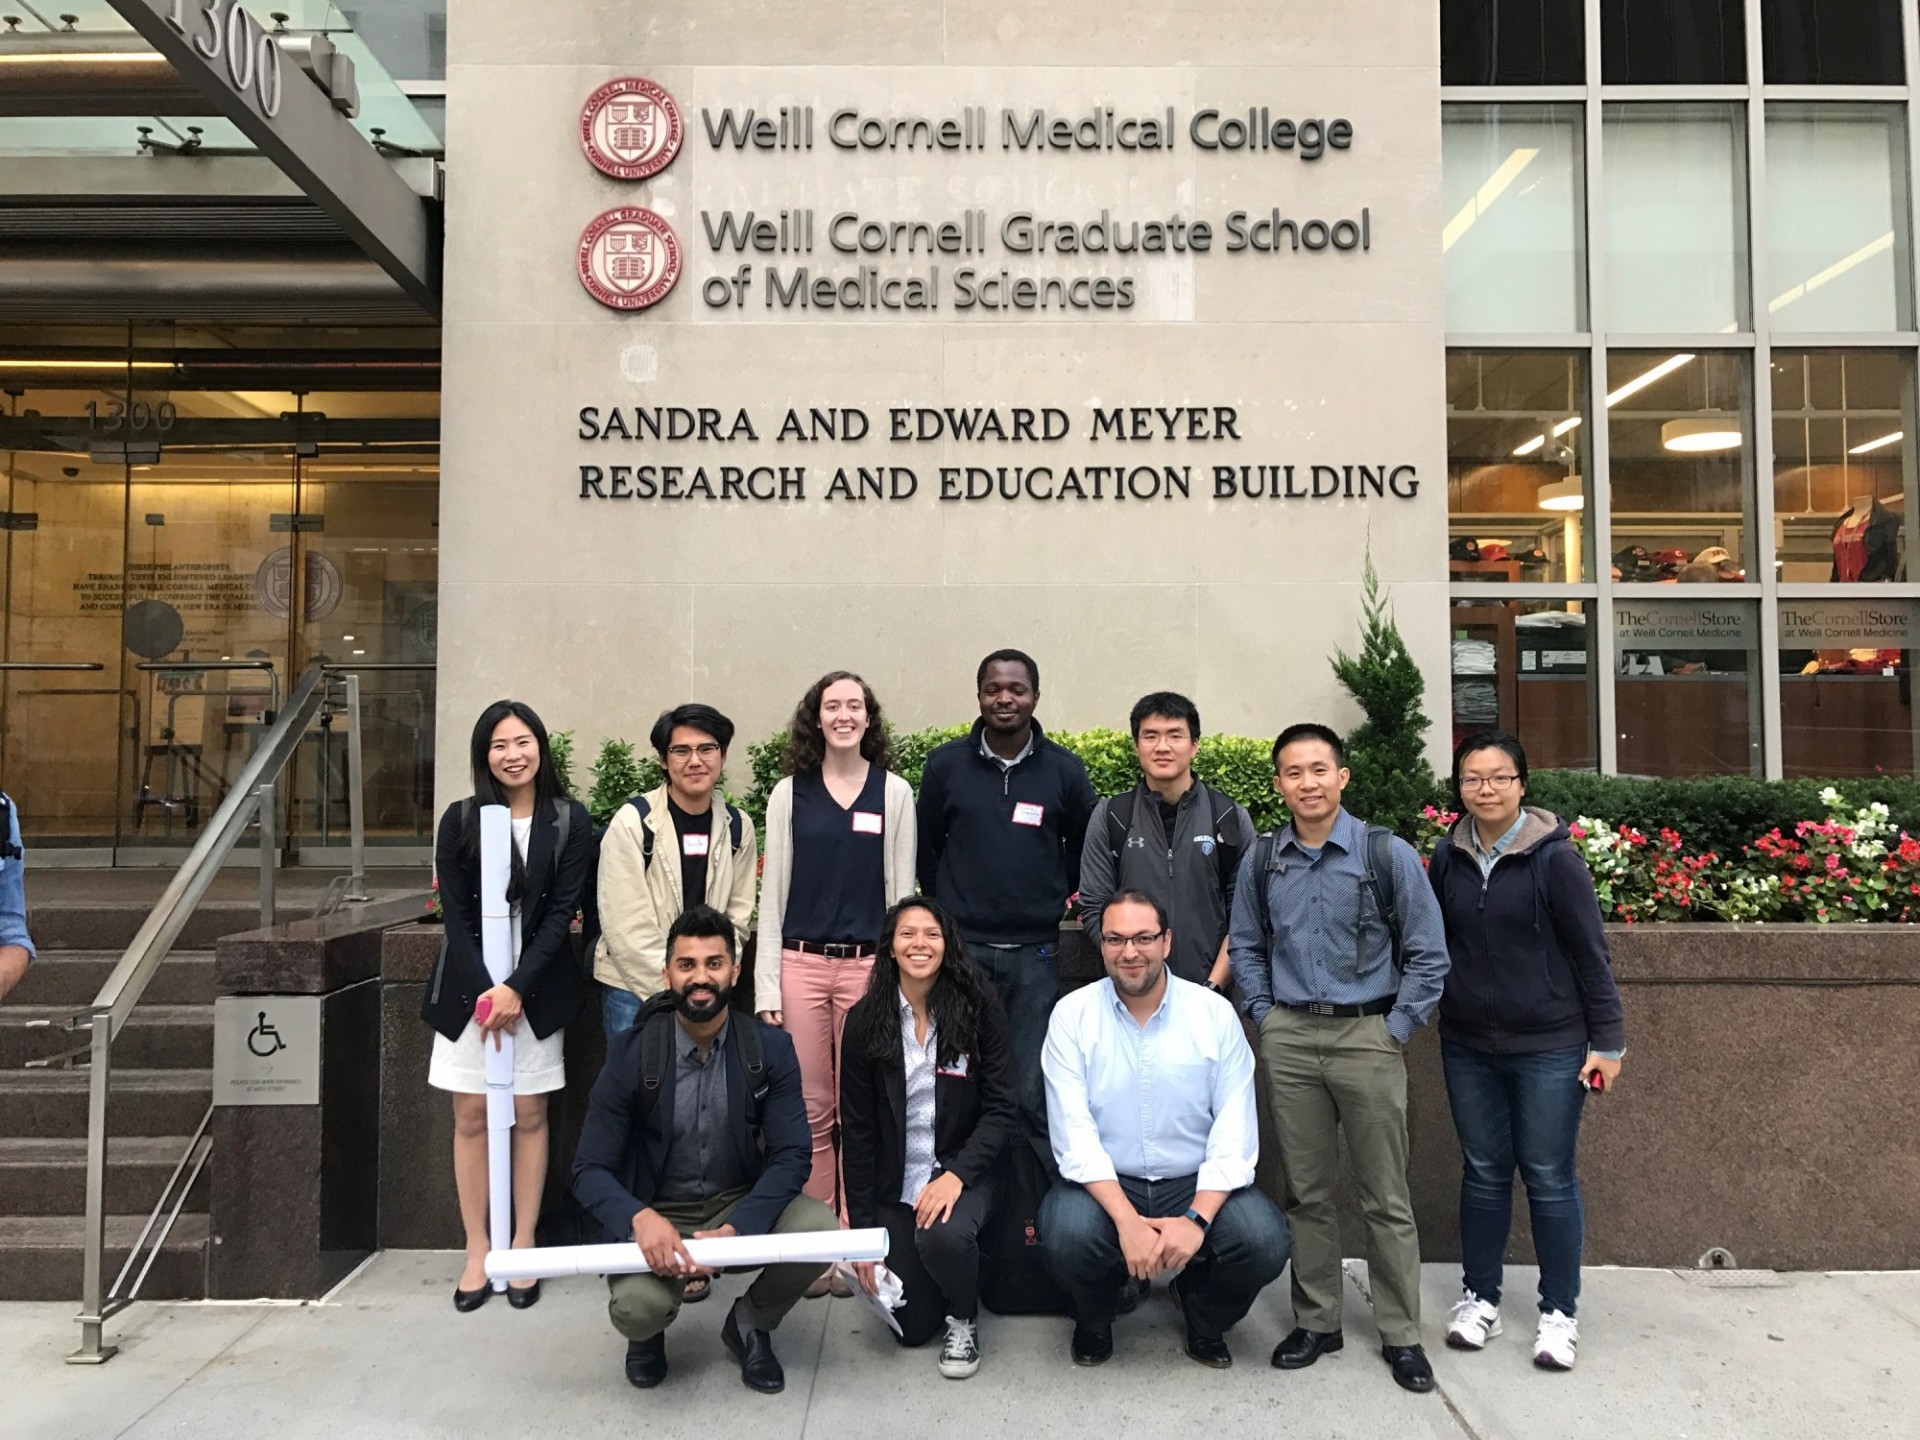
[630, 128]
[629, 258]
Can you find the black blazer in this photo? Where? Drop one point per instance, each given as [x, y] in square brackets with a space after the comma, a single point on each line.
[973, 1114]
[618, 1164]
[547, 977]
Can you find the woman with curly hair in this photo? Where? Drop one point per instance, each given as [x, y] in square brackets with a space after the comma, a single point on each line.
[926, 1108]
[840, 850]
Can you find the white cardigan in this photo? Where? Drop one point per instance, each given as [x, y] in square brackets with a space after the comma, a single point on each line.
[900, 840]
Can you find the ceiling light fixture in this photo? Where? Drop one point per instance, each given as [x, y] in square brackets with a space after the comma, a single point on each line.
[1532, 445]
[92, 57]
[1489, 192]
[1863, 448]
[1708, 433]
[1565, 425]
[1640, 382]
[1566, 493]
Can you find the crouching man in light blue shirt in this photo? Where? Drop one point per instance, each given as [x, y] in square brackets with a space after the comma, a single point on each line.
[16, 949]
[1150, 1109]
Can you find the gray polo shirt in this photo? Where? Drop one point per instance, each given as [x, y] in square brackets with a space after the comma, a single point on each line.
[702, 1159]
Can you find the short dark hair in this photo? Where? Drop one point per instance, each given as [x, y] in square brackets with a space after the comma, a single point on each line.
[704, 718]
[1487, 740]
[1168, 706]
[1136, 897]
[1018, 657]
[701, 922]
[1308, 730]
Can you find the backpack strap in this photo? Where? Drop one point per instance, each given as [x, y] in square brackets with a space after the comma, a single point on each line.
[8, 850]
[1262, 858]
[641, 808]
[736, 829]
[1378, 859]
[1119, 822]
[753, 1056]
[1222, 870]
[655, 1025]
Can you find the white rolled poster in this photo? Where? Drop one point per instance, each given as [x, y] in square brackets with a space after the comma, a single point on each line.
[820, 1248]
[496, 951]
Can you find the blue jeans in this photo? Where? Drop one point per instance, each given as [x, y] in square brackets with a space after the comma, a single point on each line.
[618, 1010]
[1244, 1252]
[1524, 1111]
[1027, 978]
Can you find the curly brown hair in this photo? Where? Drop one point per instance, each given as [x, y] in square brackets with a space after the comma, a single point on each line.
[807, 742]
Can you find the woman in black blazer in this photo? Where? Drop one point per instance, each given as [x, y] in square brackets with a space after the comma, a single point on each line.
[926, 1107]
[553, 837]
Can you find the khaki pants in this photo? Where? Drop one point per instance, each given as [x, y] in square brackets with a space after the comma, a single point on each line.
[1326, 1076]
[642, 1306]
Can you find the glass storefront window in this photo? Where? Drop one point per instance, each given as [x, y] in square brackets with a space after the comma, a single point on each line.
[1675, 223]
[1516, 496]
[1687, 686]
[1843, 465]
[1513, 42]
[1821, 42]
[1672, 42]
[1526, 667]
[1511, 187]
[1846, 687]
[1836, 201]
[1679, 428]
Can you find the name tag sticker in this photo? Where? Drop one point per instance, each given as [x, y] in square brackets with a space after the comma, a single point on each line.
[865, 822]
[1026, 813]
[958, 1069]
[694, 845]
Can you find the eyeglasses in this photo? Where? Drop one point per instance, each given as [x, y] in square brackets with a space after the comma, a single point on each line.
[1138, 942]
[686, 752]
[1487, 782]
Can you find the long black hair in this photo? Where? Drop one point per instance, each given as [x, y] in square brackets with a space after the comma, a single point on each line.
[954, 1003]
[487, 789]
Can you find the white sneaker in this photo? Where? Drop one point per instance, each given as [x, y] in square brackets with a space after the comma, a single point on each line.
[1474, 1322]
[960, 1356]
[1555, 1344]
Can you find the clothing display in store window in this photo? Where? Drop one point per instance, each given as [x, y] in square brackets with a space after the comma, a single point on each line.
[1866, 543]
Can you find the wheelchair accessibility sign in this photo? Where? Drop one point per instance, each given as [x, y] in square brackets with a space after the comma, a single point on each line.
[266, 1050]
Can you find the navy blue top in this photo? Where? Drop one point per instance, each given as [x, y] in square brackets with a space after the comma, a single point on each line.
[838, 892]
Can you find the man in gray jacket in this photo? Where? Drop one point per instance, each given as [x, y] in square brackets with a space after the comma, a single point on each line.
[1170, 837]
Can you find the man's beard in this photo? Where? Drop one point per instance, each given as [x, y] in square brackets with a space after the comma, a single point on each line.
[712, 1001]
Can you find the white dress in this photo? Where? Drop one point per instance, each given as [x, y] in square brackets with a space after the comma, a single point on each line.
[538, 1065]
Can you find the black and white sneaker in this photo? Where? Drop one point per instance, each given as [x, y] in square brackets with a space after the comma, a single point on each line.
[960, 1356]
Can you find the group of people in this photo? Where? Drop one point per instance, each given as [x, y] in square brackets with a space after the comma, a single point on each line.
[908, 1054]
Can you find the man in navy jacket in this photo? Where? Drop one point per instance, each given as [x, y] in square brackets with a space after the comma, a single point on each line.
[694, 1133]
[1003, 812]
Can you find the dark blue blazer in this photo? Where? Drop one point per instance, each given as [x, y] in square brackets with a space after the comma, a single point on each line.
[619, 1161]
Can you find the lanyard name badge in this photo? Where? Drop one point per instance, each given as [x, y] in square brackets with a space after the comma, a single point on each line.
[694, 846]
[1025, 812]
[866, 822]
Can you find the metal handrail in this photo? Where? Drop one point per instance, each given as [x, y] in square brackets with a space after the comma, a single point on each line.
[186, 667]
[251, 797]
[52, 665]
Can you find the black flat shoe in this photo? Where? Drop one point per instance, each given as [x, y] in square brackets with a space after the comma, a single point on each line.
[466, 1301]
[1303, 1347]
[524, 1299]
[759, 1368]
[647, 1362]
[1092, 1347]
[1410, 1368]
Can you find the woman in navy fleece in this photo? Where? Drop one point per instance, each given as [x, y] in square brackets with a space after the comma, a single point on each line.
[1529, 1020]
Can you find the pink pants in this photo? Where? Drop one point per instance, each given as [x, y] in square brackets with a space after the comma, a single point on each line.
[815, 995]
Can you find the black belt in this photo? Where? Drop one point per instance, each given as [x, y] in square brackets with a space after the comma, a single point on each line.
[832, 952]
[1343, 1012]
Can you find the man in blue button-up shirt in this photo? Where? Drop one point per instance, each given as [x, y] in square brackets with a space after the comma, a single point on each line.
[1314, 954]
[1151, 1113]
[16, 949]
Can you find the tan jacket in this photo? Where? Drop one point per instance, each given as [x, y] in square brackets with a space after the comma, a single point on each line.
[639, 902]
[901, 836]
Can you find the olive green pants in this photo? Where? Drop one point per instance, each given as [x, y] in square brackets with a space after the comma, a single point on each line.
[1326, 1077]
[643, 1305]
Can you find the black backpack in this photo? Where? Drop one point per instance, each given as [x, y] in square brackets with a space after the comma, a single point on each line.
[1013, 1277]
[1120, 822]
[655, 1024]
[1376, 855]
[8, 850]
[590, 894]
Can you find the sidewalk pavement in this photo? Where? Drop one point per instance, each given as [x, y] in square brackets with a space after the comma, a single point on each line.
[1673, 1355]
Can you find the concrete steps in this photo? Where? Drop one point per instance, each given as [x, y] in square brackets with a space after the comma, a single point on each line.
[50, 1104]
[41, 1257]
[48, 1176]
[156, 1037]
[71, 978]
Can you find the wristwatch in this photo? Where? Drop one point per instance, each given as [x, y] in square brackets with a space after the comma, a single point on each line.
[1217, 989]
[1197, 1218]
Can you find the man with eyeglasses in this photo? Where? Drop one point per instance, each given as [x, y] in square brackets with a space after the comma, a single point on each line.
[1340, 953]
[665, 852]
[1151, 1113]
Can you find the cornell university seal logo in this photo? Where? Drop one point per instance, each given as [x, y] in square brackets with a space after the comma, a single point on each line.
[630, 128]
[629, 258]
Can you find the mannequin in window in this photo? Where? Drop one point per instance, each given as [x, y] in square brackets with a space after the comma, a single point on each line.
[1866, 542]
